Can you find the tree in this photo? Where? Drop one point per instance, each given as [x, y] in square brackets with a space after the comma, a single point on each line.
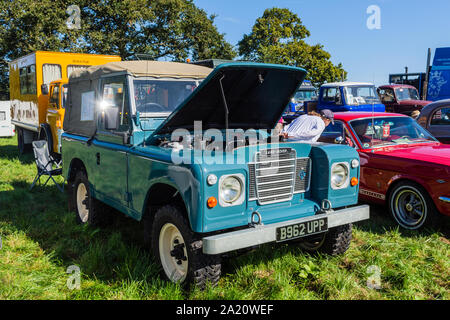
[278, 37]
[163, 29]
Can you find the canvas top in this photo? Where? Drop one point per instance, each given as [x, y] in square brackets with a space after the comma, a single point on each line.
[155, 69]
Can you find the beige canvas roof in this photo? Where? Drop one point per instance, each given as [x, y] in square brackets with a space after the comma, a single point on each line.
[157, 69]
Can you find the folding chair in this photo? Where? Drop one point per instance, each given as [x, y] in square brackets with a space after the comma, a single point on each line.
[46, 164]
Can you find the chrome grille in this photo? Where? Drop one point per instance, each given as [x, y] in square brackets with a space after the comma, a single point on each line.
[273, 175]
[276, 179]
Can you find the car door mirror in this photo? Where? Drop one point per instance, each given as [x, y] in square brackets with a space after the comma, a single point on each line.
[111, 118]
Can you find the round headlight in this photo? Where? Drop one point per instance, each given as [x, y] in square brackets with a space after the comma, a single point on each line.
[212, 179]
[355, 163]
[339, 175]
[230, 189]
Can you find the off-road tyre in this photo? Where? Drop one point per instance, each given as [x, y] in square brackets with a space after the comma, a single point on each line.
[199, 269]
[334, 242]
[88, 209]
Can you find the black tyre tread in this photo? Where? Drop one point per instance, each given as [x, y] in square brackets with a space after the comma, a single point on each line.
[203, 269]
[99, 213]
[337, 240]
[433, 219]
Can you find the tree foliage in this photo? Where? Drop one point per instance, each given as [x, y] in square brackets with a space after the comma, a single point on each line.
[278, 37]
[163, 29]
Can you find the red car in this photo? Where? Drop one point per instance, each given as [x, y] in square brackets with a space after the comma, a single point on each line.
[401, 98]
[402, 165]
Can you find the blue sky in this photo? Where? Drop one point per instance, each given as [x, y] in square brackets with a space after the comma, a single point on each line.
[408, 29]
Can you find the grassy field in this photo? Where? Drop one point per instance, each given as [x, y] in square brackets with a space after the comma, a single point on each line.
[41, 240]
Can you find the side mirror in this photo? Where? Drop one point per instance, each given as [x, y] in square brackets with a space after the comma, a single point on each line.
[339, 140]
[44, 89]
[111, 118]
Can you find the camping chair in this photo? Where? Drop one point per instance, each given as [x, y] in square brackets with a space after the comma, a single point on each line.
[46, 164]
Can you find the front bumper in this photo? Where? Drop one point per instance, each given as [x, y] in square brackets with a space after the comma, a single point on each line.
[261, 234]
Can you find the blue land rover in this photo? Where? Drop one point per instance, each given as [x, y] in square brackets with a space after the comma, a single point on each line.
[188, 151]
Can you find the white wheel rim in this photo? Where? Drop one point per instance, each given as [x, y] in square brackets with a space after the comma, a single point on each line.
[83, 211]
[176, 269]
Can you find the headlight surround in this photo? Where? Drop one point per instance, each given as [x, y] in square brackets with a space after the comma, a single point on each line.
[340, 174]
[231, 190]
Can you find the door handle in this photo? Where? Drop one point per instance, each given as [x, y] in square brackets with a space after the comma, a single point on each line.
[98, 157]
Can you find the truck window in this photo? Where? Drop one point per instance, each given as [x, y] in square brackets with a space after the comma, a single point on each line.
[386, 95]
[27, 79]
[330, 94]
[51, 72]
[65, 89]
[54, 98]
[71, 68]
[115, 95]
[441, 117]
[2, 115]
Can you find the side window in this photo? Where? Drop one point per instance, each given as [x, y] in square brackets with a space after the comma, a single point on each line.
[27, 78]
[51, 72]
[71, 68]
[54, 98]
[386, 95]
[441, 117]
[2, 115]
[65, 89]
[331, 95]
[336, 129]
[115, 95]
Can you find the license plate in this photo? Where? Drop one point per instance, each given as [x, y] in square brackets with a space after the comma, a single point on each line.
[302, 229]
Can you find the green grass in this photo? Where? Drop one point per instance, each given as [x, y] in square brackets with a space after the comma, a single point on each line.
[41, 239]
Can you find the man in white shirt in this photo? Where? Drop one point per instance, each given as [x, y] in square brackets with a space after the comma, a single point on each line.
[309, 127]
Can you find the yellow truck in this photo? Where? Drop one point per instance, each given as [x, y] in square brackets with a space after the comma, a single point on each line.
[38, 93]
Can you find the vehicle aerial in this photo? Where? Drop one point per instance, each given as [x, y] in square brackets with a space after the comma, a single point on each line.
[402, 165]
[435, 117]
[6, 128]
[347, 96]
[147, 138]
[306, 92]
[401, 98]
[37, 93]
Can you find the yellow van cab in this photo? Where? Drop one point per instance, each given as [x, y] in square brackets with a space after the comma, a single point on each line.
[29, 75]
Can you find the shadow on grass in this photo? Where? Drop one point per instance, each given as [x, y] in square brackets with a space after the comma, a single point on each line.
[111, 254]
[11, 152]
[381, 222]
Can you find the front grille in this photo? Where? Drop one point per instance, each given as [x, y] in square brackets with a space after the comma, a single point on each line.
[277, 174]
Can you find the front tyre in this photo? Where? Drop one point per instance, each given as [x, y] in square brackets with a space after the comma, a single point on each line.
[179, 252]
[334, 242]
[411, 207]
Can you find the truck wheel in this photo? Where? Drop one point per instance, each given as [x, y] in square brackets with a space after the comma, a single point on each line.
[411, 207]
[179, 252]
[334, 242]
[88, 209]
[23, 148]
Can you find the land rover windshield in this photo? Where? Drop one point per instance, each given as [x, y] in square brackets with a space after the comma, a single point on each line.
[158, 96]
[389, 131]
[406, 94]
[358, 95]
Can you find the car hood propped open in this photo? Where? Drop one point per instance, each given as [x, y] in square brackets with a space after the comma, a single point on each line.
[256, 95]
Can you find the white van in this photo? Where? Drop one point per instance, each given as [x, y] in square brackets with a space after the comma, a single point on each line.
[6, 128]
